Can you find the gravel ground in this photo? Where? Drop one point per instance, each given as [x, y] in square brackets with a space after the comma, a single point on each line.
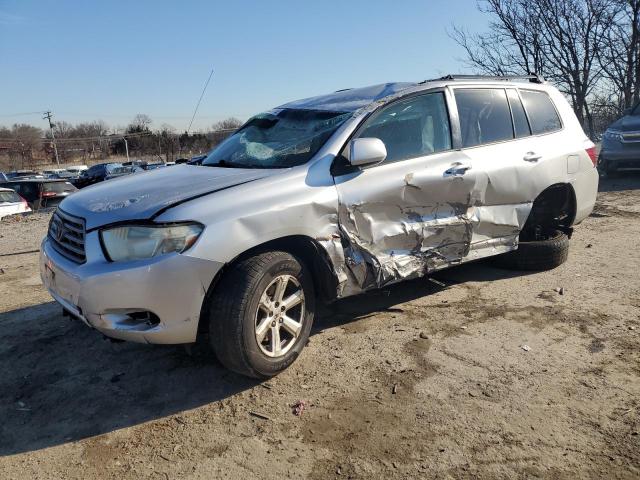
[416, 381]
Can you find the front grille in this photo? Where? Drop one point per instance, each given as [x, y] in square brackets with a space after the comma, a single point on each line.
[66, 233]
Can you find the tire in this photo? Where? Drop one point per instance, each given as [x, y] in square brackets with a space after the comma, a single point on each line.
[537, 255]
[237, 309]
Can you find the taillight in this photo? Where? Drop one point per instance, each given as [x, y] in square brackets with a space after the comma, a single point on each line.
[592, 155]
[47, 194]
[25, 204]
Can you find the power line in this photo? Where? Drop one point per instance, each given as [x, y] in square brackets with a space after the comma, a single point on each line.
[200, 100]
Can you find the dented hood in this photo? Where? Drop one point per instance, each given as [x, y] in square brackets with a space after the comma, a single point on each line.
[629, 123]
[143, 195]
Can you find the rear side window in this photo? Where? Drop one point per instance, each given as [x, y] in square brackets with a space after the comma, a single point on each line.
[484, 116]
[542, 113]
[9, 197]
[411, 128]
[57, 187]
[520, 122]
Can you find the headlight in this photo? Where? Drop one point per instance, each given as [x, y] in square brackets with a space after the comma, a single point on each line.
[613, 135]
[135, 242]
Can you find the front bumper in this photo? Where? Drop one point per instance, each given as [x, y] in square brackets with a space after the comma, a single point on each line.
[621, 156]
[111, 297]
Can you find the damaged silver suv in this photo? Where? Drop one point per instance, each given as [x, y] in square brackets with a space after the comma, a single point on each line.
[319, 199]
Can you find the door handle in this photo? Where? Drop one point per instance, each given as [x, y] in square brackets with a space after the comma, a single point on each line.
[457, 168]
[531, 157]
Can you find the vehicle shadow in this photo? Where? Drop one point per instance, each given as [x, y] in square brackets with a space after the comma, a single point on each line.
[60, 382]
[352, 309]
[626, 180]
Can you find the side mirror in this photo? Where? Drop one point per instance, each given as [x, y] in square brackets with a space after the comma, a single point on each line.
[366, 151]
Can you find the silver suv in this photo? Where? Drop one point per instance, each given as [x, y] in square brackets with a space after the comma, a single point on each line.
[320, 199]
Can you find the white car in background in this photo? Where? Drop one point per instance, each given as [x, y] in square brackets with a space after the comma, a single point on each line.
[12, 203]
[77, 169]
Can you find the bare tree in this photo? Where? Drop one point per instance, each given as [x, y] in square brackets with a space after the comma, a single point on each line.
[141, 122]
[222, 129]
[620, 54]
[25, 140]
[512, 46]
[168, 143]
[559, 39]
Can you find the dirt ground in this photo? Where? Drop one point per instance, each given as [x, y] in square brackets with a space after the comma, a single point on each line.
[496, 375]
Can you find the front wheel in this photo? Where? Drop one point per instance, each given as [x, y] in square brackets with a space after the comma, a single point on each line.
[261, 314]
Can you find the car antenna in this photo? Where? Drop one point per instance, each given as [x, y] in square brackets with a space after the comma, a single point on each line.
[199, 100]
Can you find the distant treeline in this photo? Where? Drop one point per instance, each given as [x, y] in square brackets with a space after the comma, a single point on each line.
[24, 146]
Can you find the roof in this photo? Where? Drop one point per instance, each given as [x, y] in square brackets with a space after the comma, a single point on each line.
[35, 180]
[351, 99]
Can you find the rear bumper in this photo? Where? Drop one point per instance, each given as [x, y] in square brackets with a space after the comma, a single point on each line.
[111, 297]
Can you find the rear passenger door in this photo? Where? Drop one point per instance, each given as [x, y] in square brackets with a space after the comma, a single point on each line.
[495, 133]
[407, 216]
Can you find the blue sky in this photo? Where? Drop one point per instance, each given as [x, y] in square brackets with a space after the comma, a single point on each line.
[109, 60]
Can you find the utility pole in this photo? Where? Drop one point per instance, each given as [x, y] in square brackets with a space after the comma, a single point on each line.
[48, 116]
[126, 147]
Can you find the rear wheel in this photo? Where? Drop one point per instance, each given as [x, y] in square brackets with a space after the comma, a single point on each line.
[541, 254]
[261, 314]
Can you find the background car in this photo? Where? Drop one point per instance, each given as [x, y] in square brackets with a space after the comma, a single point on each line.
[621, 144]
[101, 172]
[77, 169]
[17, 174]
[41, 193]
[12, 203]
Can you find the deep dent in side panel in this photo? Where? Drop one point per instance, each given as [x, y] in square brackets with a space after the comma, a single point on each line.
[401, 237]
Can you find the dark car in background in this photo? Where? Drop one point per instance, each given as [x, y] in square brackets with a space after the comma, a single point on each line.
[621, 144]
[41, 192]
[101, 172]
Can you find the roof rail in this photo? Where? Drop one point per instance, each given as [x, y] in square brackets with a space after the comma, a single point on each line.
[533, 78]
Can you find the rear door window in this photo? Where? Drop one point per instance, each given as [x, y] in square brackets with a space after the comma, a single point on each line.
[520, 122]
[484, 116]
[411, 128]
[542, 113]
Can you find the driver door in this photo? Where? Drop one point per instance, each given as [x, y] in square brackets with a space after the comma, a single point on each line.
[407, 216]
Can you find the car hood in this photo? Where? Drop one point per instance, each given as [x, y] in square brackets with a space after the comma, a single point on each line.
[630, 123]
[141, 196]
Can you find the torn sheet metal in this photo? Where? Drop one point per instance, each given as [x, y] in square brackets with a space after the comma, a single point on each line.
[399, 225]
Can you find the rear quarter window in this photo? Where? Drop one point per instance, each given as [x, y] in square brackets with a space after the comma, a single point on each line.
[542, 113]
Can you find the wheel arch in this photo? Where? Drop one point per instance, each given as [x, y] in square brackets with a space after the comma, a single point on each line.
[554, 207]
[304, 248]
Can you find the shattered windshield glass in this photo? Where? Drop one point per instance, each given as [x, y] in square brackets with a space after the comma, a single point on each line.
[277, 139]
